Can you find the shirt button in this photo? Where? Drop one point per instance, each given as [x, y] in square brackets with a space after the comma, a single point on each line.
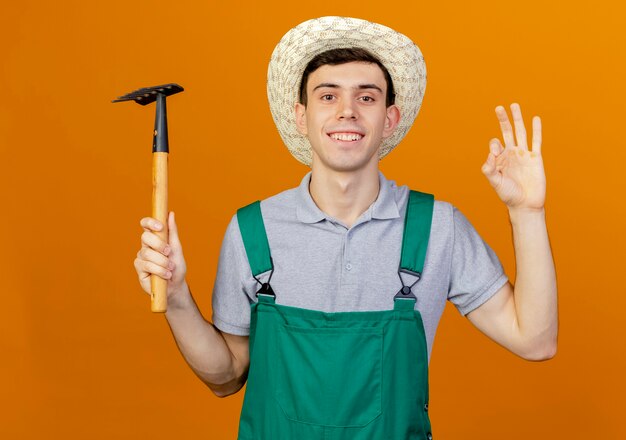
[426, 407]
[348, 266]
[429, 436]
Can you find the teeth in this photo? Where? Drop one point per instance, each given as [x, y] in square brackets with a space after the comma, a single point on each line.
[346, 136]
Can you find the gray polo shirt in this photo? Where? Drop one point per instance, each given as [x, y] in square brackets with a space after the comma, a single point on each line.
[321, 264]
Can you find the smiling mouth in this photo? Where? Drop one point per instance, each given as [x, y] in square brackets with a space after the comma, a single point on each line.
[346, 137]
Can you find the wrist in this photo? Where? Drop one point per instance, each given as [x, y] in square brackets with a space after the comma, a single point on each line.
[522, 214]
[178, 297]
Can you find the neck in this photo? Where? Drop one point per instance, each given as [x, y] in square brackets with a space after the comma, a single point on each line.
[344, 195]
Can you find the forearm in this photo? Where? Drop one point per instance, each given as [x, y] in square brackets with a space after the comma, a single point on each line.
[535, 290]
[201, 344]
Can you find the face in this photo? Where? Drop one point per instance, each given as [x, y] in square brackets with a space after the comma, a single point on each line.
[346, 118]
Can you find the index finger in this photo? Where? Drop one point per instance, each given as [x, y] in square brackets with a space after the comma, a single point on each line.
[505, 126]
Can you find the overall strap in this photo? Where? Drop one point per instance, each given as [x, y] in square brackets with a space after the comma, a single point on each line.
[255, 243]
[417, 223]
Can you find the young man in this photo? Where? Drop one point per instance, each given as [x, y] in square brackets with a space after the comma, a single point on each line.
[328, 295]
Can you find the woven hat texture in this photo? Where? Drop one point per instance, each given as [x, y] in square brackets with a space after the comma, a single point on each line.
[400, 56]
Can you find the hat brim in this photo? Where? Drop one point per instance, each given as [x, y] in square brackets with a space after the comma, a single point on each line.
[400, 56]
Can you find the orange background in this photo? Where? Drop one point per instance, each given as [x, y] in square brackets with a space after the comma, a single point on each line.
[83, 357]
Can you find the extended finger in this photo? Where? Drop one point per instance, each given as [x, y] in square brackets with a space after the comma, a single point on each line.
[520, 130]
[505, 126]
[536, 135]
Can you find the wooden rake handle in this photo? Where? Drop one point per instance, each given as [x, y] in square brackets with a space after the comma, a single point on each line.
[158, 285]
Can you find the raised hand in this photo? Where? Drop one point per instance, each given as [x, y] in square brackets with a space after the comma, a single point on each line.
[516, 173]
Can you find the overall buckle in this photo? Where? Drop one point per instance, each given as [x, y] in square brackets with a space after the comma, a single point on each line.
[405, 292]
[266, 289]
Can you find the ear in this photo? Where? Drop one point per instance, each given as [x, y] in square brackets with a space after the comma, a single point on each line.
[300, 111]
[391, 121]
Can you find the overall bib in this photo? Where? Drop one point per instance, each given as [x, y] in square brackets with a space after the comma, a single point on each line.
[337, 376]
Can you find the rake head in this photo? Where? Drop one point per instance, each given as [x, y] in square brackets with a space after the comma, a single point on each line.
[147, 95]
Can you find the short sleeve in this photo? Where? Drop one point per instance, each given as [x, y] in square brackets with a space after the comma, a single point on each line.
[476, 273]
[230, 302]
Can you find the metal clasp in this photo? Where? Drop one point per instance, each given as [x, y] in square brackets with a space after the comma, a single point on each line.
[266, 289]
[405, 292]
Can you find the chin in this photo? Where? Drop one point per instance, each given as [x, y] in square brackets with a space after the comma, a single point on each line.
[345, 165]
[344, 161]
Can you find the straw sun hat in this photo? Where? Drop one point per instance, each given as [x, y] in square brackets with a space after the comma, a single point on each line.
[400, 56]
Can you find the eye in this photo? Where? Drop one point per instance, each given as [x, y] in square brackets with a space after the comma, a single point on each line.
[367, 99]
[327, 97]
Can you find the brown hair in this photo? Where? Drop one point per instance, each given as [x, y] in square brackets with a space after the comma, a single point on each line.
[334, 57]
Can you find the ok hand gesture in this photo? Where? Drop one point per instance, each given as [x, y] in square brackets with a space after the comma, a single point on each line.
[516, 173]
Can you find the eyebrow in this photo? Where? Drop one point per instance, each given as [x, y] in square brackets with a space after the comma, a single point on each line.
[359, 87]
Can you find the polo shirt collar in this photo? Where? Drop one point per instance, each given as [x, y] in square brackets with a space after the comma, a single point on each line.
[384, 207]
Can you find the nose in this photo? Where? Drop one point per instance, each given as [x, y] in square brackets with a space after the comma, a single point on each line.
[346, 110]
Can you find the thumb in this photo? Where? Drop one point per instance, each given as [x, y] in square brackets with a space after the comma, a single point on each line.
[490, 171]
[174, 240]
